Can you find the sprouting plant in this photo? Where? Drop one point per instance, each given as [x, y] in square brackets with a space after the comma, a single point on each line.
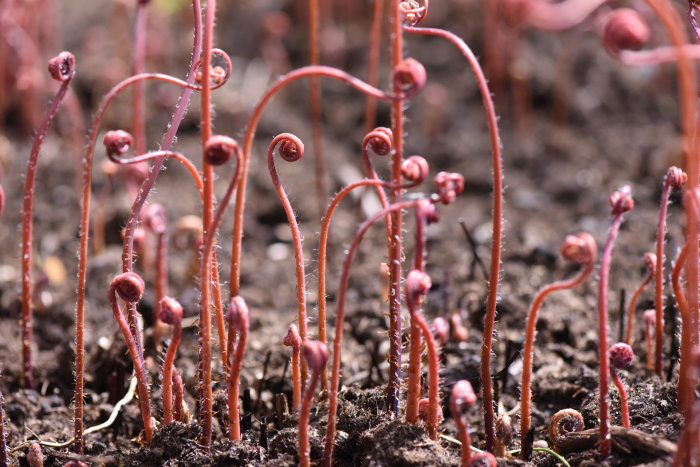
[448, 185]
[238, 318]
[316, 356]
[580, 249]
[418, 285]
[291, 149]
[462, 397]
[293, 340]
[156, 220]
[497, 221]
[35, 458]
[170, 312]
[129, 287]
[482, 459]
[621, 202]
[650, 265]
[62, 69]
[687, 445]
[563, 422]
[621, 357]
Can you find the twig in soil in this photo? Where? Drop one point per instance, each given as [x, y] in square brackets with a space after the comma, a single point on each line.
[476, 259]
[128, 397]
[625, 441]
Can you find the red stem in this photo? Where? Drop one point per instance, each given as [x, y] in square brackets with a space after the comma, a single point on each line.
[497, 234]
[168, 374]
[26, 321]
[137, 359]
[304, 414]
[296, 238]
[340, 314]
[659, 279]
[605, 442]
[394, 241]
[433, 370]
[529, 348]
[234, 419]
[205, 381]
[296, 377]
[624, 406]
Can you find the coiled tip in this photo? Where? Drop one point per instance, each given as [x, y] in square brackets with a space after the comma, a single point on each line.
[62, 66]
[380, 140]
[415, 169]
[409, 77]
[621, 201]
[292, 339]
[129, 286]
[315, 354]
[621, 356]
[580, 248]
[424, 406]
[676, 178]
[412, 12]
[171, 311]
[441, 330]
[625, 29]
[117, 142]
[289, 147]
[563, 422]
[428, 211]
[449, 185]
[650, 316]
[219, 149]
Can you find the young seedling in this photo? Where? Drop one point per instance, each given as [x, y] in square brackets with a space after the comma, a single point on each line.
[688, 450]
[497, 221]
[293, 340]
[181, 412]
[129, 287]
[156, 221]
[418, 285]
[291, 149]
[238, 319]
[170, 312]
[580, 249]
[621, 202]
[482, 459]
[563, 422]
[621, 357]
[62, 69]
[462, 397]
[316, 356]
[649, 320]
[650, 265]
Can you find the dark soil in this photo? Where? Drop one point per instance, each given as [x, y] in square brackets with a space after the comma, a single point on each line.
[621, 127]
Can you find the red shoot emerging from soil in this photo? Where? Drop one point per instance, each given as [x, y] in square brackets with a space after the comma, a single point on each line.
[170, 313]
[316, 356]
[129, 287]
[291, 149]
[580, 249]
[504, 434]
[621, 202]
[650, 264]
[62, 69]
[621, 358]
[674, 180]
[239, 322]
[462, 397]
[293, 340]
[482, 459]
